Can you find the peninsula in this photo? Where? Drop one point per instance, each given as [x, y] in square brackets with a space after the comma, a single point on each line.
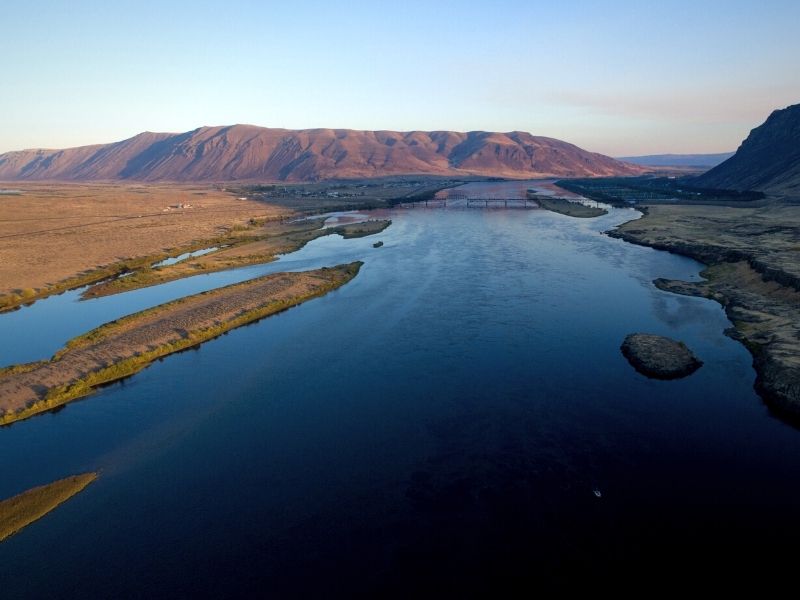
[31, 505]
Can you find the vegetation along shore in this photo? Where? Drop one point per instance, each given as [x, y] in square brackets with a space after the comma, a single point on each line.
[257, 246]
[56, 237]
[125, 346]
[31, 505]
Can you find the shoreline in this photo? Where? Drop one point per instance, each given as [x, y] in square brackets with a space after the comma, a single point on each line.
[761, 301]
[107, 273]
[124, 347]
[59, 237]
[138, 272]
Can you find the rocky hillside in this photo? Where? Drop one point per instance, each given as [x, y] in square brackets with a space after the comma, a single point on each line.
[246, 152]
[768, 160]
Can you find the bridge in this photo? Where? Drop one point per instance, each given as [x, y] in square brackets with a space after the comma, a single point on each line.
[464, 201]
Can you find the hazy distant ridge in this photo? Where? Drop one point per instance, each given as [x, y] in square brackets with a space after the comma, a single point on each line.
[246, 152]
[678, 160]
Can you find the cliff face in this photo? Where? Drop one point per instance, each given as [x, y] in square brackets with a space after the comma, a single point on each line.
[246, 152]
[768, 160]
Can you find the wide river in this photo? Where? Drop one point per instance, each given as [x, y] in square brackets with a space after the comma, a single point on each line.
[459, 413]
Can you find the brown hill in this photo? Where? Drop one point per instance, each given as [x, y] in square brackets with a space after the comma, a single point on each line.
[768, 160]
[249, 153]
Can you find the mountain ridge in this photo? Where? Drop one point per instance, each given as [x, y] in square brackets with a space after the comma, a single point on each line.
[248, 152]
[768, 160]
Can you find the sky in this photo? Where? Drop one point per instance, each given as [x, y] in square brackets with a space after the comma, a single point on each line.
[617, 77]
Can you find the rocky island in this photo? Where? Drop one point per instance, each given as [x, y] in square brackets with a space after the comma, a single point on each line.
[659, 357]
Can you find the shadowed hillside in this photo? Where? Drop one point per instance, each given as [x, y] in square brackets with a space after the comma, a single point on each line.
[768, 160]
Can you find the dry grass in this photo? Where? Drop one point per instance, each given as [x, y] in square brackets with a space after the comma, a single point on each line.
[52, 232]
[255, 245]
[29, 506]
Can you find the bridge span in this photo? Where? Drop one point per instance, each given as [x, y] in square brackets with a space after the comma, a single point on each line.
[464, 201]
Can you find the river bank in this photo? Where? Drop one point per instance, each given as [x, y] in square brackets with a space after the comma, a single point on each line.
[753, 272]
[56, 237]
[127, 345]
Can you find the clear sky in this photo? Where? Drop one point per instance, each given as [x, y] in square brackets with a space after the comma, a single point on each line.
[619, 77]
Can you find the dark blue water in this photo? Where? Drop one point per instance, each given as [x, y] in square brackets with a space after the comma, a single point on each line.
[439, 424]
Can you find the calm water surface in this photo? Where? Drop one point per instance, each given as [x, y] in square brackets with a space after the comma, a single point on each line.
[444, 420]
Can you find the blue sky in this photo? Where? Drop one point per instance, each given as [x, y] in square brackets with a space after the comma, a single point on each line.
[614, 77]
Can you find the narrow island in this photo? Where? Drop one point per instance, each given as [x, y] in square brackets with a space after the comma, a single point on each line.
[567, 207]
[31, 505]
[123, 347]
[659, 357]
[361, 229]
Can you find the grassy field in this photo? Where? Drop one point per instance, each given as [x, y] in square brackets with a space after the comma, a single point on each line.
[29, 506]
[58, 237]
[55, 237]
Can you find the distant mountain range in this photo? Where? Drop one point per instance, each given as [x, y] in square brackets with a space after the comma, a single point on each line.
[696, 161]
[768, 160]
[250, 153]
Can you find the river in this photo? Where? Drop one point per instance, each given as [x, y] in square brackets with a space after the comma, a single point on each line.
[458, 414]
